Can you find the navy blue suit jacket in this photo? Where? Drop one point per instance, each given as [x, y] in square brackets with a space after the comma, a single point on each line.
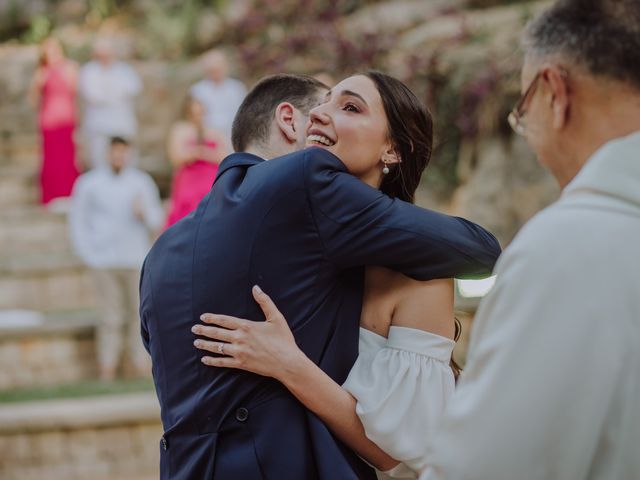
[302, 228]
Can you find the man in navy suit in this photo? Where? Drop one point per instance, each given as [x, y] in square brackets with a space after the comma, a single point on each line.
[302, 228]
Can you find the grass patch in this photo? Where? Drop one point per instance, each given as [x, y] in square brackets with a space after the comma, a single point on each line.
[76, 390]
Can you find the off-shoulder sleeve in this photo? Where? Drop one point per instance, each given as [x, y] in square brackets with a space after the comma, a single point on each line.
[401, 387]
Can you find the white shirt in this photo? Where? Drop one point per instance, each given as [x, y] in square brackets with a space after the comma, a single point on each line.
[221, 102]
[109, 92]
[552, 384]
[402, 384]
[104, 230]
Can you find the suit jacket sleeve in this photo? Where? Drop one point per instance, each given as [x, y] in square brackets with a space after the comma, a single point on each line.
[144, 306]
[359, 226]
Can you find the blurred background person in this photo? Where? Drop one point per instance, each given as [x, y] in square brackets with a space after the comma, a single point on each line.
[220, 95]
[53, 91]
[195, 151]
[115, 211]
[108, 87]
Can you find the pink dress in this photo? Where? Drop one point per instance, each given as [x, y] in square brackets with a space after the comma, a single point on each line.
[190, 184]
[57, 119]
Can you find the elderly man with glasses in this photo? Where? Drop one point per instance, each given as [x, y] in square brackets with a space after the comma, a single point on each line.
[552, 384]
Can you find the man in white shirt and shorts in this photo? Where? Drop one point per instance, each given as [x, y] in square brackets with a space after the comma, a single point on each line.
[115, 210]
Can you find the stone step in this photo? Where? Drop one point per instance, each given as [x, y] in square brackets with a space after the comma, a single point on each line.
[18, 187]
[56, 352]
[18, 118]
[52, 349]
[33, 229]
[45, 282]
[19, 148]
[19, 139]
[27, 159]
[19, 182]
[110, 437]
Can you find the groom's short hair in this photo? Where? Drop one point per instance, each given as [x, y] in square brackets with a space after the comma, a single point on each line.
[252, 122]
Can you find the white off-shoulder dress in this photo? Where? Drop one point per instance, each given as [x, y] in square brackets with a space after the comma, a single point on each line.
[402, 384]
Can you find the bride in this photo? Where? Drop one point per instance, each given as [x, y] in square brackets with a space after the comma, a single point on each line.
[404, 375]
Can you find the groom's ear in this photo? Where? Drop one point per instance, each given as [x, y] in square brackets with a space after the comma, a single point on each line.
[285, 119]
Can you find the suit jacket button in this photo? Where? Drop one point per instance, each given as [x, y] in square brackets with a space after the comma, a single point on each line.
[242, 414]
[163, 442]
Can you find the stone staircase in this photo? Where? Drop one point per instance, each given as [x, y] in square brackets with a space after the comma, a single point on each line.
[19, 153]
[47, 328]
[67, 440]
[38, 270]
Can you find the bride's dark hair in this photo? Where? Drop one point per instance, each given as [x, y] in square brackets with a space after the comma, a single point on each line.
[410, 131]
[457, 369]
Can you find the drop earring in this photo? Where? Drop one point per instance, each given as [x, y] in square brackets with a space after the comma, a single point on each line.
[385, 169]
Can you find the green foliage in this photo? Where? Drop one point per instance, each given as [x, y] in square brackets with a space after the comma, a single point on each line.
[305, 36]
[39, 29]
[13, 20]
[309, 36]
[169, 31]
[102, 9]
[492, 3]
[439, 88]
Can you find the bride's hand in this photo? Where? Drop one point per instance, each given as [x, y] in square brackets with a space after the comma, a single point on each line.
[266, 348]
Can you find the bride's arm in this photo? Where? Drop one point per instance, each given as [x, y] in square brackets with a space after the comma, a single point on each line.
[409, 380]
[268, 348]
[335, 407]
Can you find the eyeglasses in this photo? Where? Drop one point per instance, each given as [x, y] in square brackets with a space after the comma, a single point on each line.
[516, 115]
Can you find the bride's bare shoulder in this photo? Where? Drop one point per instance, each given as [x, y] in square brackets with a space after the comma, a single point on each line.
[399, 286]
[426, 305]
[379, 300]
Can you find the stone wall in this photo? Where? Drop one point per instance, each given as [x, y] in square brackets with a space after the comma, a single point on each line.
[38, 350]
[502, 185]
[108, 438]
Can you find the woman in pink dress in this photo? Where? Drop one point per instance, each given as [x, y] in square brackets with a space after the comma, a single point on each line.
[53, 90]
[195, 152]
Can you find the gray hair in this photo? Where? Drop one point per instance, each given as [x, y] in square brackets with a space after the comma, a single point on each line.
[603, 36]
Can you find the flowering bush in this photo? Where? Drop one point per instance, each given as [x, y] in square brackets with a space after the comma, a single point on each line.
[468, 98]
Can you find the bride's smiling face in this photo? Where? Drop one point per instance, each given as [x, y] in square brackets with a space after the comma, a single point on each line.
[352, 125]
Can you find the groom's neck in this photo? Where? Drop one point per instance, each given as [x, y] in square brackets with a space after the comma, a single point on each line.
[259, 151]
[268, 152]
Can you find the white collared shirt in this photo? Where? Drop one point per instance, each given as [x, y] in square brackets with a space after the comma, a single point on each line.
[221, 102]
[104, 230]
[108, 92]
[552, 385]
